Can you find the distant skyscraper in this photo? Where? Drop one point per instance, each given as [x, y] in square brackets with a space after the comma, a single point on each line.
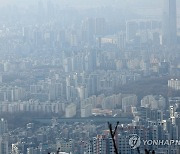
[3, 126]
[3, 146]
[88, 30]
[100, 26]
[169, 22]
[131, 30]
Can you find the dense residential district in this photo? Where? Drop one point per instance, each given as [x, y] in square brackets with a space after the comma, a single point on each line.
[66, 71]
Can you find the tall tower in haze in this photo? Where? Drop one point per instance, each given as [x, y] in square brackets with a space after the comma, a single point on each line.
[169, 22]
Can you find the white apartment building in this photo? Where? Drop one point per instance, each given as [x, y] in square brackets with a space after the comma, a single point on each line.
[174, 84]
[70, 110]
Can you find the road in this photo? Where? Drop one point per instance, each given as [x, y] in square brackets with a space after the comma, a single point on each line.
[122, 120]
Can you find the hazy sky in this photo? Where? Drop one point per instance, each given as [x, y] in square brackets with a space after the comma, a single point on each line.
[92, 3]
[86, 2]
